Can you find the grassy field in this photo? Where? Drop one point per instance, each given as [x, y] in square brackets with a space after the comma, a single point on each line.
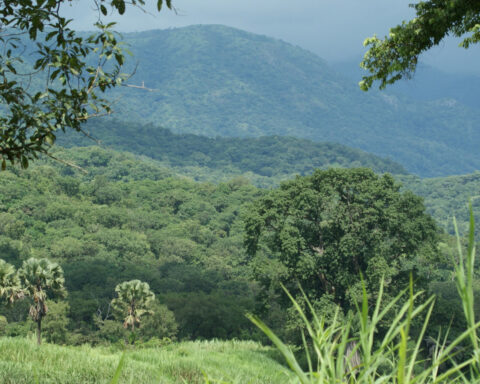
[21, 361]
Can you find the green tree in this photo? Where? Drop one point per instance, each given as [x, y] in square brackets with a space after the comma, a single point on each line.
[41, 279]
[10, 288]
[134, 301]
[396, 55]
[61, 88]
[161, 324]
[55, 325]
[324, 230]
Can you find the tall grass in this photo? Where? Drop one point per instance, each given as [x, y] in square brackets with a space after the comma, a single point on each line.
[238, 362]
[337, 354]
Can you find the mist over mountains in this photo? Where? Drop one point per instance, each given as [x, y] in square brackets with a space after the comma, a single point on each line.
[219, 81]
[427, 84]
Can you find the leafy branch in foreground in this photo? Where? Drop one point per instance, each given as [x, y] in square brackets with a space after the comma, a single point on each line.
[396, 56]
[341, 355]
[61, 88]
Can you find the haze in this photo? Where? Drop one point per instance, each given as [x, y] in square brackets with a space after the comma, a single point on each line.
[333, 29]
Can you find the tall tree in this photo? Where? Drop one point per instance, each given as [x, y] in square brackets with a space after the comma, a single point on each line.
[134, 300]
[396, 55]
[62, 88]
[10, 288]
[41, 280]
[324, 230]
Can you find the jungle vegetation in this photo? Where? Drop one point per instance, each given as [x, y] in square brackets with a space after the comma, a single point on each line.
[131, 219]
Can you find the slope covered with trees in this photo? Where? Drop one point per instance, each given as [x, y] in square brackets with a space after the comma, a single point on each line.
[214, 80]
[446, 197]
[127, 220]
[267, 159]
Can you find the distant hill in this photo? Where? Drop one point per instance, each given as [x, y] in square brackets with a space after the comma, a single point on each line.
[427, 84]
[215, 80]
[273, 157]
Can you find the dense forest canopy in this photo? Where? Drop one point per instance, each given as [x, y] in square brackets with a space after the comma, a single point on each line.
[323, 232]
[271, 158]
[127, 219]
[266, 161]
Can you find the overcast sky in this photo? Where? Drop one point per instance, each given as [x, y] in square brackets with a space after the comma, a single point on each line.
[333, 29]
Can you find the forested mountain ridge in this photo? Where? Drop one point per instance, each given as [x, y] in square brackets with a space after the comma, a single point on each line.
[215, 80]
[448, 197]
[268, 159]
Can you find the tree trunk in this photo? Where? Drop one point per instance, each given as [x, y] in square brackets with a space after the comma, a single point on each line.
[39, 332]
[133, 333]
[352, 358]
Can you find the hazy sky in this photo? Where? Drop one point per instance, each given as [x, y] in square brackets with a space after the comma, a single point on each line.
[334, 29]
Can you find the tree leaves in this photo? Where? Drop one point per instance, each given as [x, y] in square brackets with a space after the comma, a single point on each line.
[396, 55]
[134, 300]
[71, 92]
[328, 228]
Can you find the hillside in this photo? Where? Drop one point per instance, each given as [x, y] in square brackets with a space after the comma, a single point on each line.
[264, 161]
[267, 160]
[129, 219]
[214, 80]
[427, 84]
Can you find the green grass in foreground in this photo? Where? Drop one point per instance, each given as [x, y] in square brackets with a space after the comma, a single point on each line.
[21, 361]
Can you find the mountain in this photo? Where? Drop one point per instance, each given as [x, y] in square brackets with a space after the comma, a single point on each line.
[214, 80]
[427, 84]
[267, 159]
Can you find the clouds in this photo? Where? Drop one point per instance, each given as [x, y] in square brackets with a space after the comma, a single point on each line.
[334, 29]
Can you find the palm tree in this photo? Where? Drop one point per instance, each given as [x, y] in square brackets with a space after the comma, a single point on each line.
[41, 280]
[134, 300]
[10, 288]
